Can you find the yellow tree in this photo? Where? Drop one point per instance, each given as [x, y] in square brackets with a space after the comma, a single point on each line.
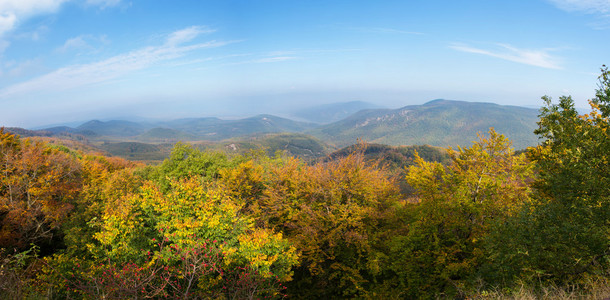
[200, 219]
[331, 212]
[105, 180]
[456, 207]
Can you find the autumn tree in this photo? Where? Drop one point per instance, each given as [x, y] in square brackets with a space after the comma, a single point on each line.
[329, 211]
[186, 161]
[563, 236]
[193, 215]
[441, 248]
[37, 189]
[105, 182]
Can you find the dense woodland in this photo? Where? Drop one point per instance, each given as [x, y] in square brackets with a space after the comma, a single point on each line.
[474, 222]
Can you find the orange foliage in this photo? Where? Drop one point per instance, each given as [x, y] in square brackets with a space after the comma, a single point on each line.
[37, 187]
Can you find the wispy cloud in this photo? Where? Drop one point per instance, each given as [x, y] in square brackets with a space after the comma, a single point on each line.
[74, 43]
[82, 42]
[98, 72]
[14, 11]
[598, 7]
[287, 55]
[33, 35]
[599, 10]
[539, 57]
[7, 22]
[187, 34]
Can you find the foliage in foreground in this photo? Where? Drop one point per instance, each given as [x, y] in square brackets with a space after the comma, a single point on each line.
[562, 236]
[490, 223]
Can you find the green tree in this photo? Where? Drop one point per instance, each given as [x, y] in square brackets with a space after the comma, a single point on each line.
[185, 161]
[442, 249]
[563, 235]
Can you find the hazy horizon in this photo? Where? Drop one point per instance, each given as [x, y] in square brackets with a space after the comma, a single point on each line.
[286, 111]
[65, 61]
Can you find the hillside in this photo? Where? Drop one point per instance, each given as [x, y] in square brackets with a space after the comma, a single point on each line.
[159, 134]
[437, 123]
[28, 133]
[213, 129]
[294, 144]
[395, 159]
[111, 128]
[217, 129]
[138, 151]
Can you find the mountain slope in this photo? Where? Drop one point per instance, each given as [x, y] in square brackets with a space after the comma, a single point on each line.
[160, 134]
[185, 129]
[217, 129]
[437, 123]
[293, 144]
[113, 128]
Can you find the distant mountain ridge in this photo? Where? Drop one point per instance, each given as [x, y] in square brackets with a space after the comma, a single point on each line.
[438, 123]
[217, 129]
[186, 129]
[112, 128]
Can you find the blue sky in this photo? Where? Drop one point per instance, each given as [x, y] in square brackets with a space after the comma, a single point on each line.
[75, 60]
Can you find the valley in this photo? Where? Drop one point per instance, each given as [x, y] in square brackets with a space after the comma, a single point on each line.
[438, 123]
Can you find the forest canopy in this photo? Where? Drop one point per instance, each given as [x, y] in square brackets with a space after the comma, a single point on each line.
[201, 225]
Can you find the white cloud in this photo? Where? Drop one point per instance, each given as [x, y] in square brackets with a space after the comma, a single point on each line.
[98, 72]
[82, 42]
[75, 43]
[539, 58]
[601, 7]
[30, 7]
[186, 35]
[14, 11]
[7, 22]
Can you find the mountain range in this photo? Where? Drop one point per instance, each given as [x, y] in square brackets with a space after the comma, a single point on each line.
[439, 123]
[193, 129]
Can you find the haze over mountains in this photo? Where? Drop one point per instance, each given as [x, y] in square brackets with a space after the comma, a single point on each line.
[213, 129]
[333, 112]
[439, 122]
